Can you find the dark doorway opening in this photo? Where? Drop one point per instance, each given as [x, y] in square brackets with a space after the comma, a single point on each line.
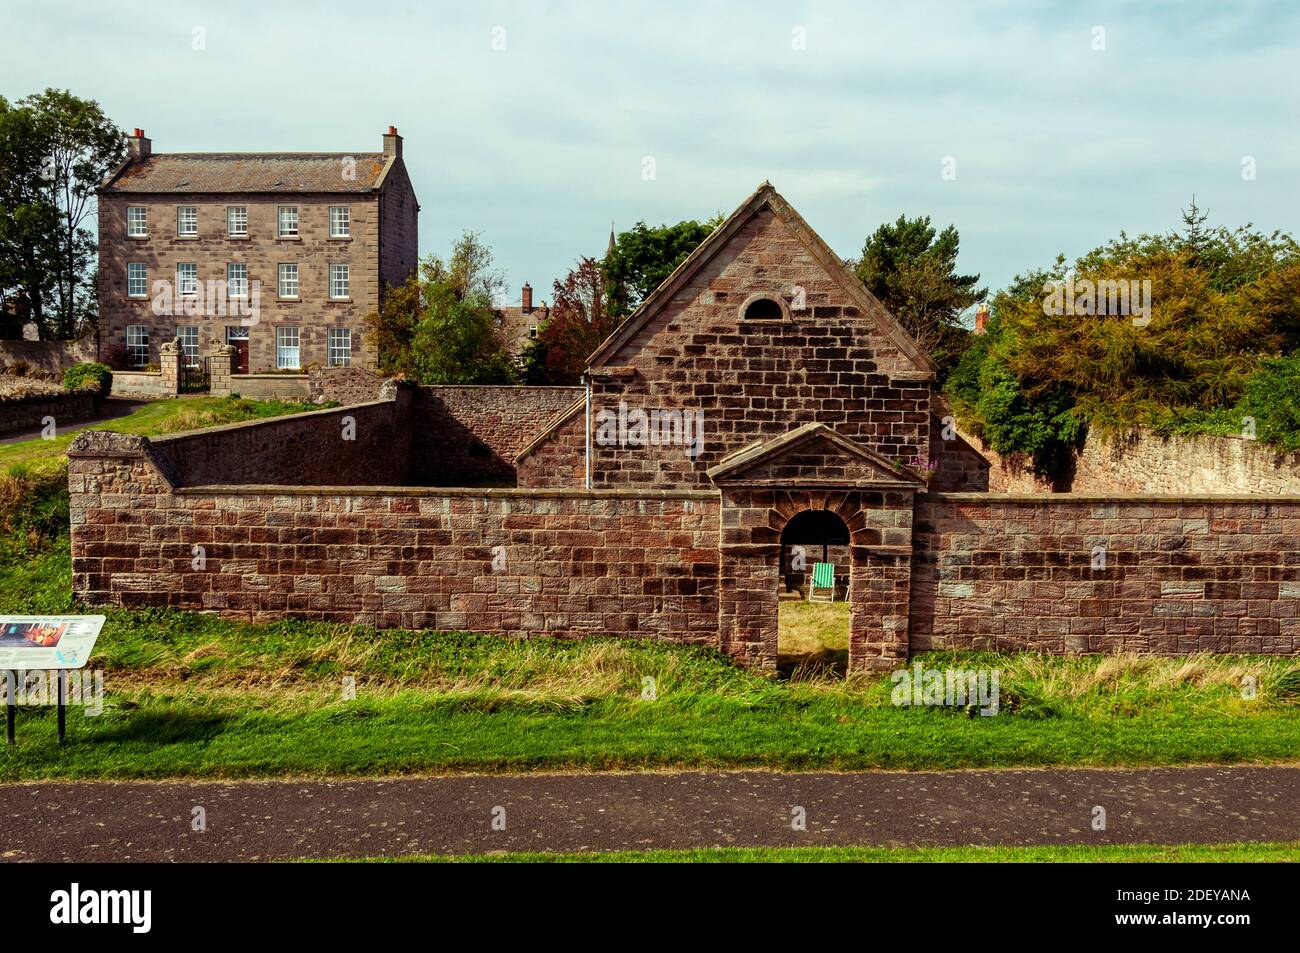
[813, 608]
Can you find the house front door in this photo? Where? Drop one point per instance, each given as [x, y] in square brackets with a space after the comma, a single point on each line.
[238, 339]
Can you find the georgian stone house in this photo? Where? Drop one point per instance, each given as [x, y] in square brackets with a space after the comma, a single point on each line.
[280, 255]
[760, 399]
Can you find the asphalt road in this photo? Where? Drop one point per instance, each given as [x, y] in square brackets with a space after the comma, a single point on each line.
[271, 820]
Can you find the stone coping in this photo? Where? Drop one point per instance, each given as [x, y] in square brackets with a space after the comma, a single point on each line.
[507, 388]
[1107, 498]
[509, 492]
[184, 435]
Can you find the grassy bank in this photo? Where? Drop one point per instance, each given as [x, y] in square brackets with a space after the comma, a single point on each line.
[1135, 854]
[154, 418]
[193, 695]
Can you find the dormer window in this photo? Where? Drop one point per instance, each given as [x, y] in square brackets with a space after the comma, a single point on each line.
[763, 307]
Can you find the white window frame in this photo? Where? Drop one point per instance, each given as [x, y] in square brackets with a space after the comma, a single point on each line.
[339, 347]
[281, 280]
[189, 335]
[340, 221]
[137, 221]
[237, 221]
[182, 290]
[288, 349]
[236, 279]
[340, 282]
[282, 216]
[187, 221]
[137, 271]
[137, 344]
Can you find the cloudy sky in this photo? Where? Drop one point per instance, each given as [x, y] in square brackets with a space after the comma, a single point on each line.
[534, 122]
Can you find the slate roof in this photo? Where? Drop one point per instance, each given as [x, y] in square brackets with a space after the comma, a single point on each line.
[199, 172]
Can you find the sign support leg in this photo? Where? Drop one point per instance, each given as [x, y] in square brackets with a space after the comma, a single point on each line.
[63, 712]
[11, 689]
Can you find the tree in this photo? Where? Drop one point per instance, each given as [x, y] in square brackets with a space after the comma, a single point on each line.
[1220, 305]
[912, 270]
[579, 321]
[81, 147]
[644, 256]
[29, 220]
[439, 326]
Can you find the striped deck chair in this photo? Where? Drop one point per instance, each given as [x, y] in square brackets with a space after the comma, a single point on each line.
[823, 577]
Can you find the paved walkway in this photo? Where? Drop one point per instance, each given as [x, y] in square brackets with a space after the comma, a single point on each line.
[111, 409]
[266, 820]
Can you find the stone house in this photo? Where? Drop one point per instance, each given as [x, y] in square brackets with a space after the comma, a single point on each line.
[760, 399]
[280, 255]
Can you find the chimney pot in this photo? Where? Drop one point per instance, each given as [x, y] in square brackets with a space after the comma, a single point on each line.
[137, 146]
[392, 142]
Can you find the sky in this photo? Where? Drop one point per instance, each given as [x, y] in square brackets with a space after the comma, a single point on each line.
[1034, 128]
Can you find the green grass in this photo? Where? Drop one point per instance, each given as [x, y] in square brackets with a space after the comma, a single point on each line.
[1126, 854]
[195, 695]
[151, 419]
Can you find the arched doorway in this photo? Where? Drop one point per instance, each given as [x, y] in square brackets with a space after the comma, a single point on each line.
[814, 618]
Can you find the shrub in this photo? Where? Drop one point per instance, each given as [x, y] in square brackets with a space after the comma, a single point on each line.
[80, 376]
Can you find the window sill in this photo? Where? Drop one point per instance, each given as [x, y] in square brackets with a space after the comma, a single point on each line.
[292, 300]
[288, 238]
[340, 238]
[187, 238]
[138, 238]
[236, 238]
[338, 300]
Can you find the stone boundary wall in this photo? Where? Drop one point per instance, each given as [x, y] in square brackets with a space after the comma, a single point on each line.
[52, 357]
[343, 385]
[141, 384]
[21, 413]
[267, 386]
[499, 561]
[464, 435]
[1180, 574]
[312, 448]
[1147, 463]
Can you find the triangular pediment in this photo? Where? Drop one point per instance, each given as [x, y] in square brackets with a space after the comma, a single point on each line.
[812, 455]
[765, 198]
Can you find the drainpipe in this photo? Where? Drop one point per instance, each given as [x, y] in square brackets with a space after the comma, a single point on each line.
[586, 380]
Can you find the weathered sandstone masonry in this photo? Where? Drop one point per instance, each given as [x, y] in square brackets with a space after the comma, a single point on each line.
[1164, 575]
[1175, 575]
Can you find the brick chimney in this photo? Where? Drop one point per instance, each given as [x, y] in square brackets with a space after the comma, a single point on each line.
[981, 318]
[137, 146]
[528, 298]
[392, 142]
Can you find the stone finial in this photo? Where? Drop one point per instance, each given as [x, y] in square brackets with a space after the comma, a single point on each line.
[106, 443]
